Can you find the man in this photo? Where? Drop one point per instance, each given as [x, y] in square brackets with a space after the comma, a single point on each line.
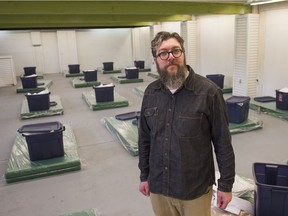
[182, 115]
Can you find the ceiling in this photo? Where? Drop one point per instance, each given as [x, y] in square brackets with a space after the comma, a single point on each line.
[43, 14]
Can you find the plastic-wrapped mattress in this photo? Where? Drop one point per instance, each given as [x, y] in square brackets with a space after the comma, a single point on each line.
[268, 108]
[53, 110]
[20, 167]
[87, 212]
[125, 132]
[248, 125]
[42, 85]
[118, 78]
[79, 82]
[90, 99]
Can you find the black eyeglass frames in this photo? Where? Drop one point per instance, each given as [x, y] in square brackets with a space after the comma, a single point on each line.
[175, 52]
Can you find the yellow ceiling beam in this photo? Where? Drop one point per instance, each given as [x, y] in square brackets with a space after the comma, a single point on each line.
[29, 14]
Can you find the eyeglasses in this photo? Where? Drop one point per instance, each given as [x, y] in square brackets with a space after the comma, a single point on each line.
[175, 52]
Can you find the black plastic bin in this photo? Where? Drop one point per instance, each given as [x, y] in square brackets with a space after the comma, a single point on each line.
[271, 191]
[104, 93]
[29, 81]
[74, 68]
[217, 78]
[108, 66]
[44, 140]
[281, 100]
[90, 75]
[38, 102]
[29, 71]
[132, 73]
[238, 108]
[139, 64]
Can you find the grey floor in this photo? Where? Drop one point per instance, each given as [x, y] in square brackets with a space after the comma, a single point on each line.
[109, 178]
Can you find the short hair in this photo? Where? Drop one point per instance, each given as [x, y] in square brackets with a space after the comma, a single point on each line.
[162, 36]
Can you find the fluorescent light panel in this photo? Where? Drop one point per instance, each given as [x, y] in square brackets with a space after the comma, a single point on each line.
[264, 2]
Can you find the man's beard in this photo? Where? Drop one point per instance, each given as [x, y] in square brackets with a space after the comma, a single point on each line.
[175, 80]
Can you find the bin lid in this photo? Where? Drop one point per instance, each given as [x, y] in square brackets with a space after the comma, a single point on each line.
[45, 127]
[237, 99]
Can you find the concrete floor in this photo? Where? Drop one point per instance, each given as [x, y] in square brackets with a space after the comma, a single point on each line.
[109, 176]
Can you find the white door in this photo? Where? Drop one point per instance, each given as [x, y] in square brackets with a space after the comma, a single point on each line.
[50, 52]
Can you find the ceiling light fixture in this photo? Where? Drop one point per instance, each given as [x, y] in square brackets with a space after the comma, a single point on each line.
[256, 2]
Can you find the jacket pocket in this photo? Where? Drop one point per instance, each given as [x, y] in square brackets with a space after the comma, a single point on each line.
[188, 125]
[151, 116]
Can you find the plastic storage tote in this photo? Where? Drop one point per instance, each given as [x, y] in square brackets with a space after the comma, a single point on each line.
[38, 102]
[238, 108]
[217, 78]
[29, 81]
[139, 64]
[271, 191]
[74, 68]
[132, 73]
[108, 66]
[44, 140]
[104, 93]
[281, 100]
[90, 75]
[29, 71]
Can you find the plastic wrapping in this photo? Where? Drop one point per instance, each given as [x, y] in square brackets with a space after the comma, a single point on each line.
[125, 132]
[54, 110]
[21, 168]
[218, 212]
[45, 84]
[89, 97]
[79, 82]
[242, 188]
[250, 124]
[67, 74]
[269, 108]
[116, 78]
[139, 90]
[88, 212]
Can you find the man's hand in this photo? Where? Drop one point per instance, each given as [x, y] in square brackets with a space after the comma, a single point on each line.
[144, 188]
[223, 198]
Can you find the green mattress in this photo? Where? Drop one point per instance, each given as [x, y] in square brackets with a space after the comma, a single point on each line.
[54, 110]
[127, 133]
[250, 124]
[67, 74]
[153, 74]
[268, 108]
[21, 168]
[227, 90]
[111, 71]
[79, 82]
[43, 85]
[88, 212]
[124, 80]
[144, 69]
[90, 98]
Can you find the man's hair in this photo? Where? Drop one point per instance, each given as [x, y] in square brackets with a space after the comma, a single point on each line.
[162, 36]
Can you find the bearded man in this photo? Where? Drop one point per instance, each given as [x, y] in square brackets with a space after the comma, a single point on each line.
[183, 119]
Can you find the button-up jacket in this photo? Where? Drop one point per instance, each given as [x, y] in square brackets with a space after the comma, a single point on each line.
[177, 135]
